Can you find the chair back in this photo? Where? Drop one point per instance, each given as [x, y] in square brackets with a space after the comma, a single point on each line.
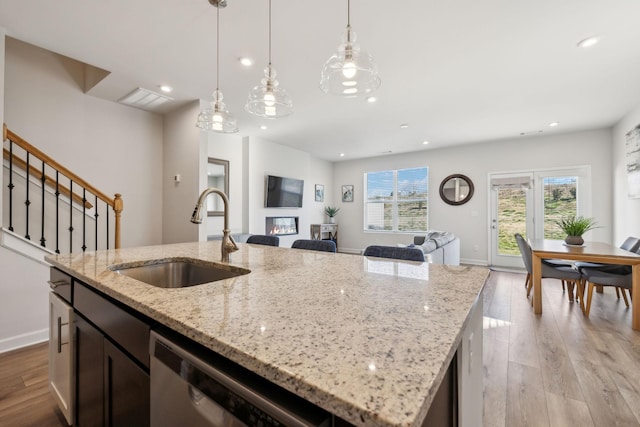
[631, 244]
[315, 245]
[525, 251]
[405, 253]
[264, 240]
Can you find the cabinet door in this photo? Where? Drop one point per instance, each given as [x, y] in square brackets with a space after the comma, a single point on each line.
[126, 390]
[89, 371]
[61, 355]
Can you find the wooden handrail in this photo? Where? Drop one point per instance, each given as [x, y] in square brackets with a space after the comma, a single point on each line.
[35, 172]
[116, 203]
[55, 165]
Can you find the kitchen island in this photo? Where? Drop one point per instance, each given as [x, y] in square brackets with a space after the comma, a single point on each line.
[367, 339]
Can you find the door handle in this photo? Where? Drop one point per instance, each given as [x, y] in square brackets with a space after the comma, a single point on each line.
[59, 334]
[60, 325]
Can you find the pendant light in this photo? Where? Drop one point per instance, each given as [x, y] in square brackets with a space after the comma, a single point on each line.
[267, 99]
[350, 72]
[214, 116]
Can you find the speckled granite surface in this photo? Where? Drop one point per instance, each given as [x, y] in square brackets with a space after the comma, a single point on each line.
[367, 339]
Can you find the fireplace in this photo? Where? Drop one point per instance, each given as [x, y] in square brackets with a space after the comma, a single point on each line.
[281, 225]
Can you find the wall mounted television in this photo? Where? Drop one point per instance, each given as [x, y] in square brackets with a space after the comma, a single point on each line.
[283, 192]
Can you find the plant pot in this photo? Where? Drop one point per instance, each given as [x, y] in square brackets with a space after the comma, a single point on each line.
[332, 220]
[574, 240]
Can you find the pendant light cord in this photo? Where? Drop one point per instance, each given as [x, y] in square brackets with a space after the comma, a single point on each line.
[348, 20]
[269, 33]
[217, 50]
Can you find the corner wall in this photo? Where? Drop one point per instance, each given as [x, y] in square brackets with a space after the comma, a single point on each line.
[471, 221]
[183, 143]
[626, 211]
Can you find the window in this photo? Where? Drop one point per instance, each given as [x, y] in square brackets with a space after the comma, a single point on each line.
[396, 200]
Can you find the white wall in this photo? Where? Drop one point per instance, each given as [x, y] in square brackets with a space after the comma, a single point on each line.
[267, 158]
[2, 66]
[24, 300]
[625, 211]
[116, 148]
[470, 221]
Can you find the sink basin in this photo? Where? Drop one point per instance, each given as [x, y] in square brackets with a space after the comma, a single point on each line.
[178, 272]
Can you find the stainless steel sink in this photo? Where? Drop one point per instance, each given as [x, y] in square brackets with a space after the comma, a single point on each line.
[178, 272]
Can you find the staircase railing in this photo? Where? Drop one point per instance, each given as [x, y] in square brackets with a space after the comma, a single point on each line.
[75, 193]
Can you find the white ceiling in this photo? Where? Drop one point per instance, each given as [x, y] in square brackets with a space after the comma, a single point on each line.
[456, 71]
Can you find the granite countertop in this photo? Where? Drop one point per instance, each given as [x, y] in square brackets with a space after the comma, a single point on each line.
[368, 339]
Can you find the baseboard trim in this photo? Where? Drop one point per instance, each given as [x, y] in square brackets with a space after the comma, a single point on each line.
[350, 251]
[478, 262]
[24, 340]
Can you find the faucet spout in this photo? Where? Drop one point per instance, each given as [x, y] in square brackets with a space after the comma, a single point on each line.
[228, 245]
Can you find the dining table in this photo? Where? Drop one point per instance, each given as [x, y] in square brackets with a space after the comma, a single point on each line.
[596, 252]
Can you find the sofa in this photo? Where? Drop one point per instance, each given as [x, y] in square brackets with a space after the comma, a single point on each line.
[439, 247]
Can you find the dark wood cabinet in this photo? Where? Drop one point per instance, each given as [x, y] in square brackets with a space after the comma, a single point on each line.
[89, 374]
[126, 388]
[112, 375]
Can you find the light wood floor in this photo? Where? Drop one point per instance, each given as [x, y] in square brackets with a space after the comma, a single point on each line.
[558, 369]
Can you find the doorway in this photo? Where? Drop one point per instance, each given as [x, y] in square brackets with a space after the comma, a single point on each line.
[530, 203]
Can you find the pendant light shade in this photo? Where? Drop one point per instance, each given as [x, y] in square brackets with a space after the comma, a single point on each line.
[350, 72]
[267, 99]
[214, 116]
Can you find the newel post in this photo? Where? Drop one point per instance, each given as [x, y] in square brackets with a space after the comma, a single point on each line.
[117, 208]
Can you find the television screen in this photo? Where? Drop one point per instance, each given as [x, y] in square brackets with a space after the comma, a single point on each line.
[283, 192]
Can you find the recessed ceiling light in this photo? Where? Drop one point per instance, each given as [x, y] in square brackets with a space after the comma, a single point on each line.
[589, 41]
[341, 154]
[425, 142]
[263, 127]
[372, 99]
[247, 62]
[554, 124]
[166, 88]
[404, 126]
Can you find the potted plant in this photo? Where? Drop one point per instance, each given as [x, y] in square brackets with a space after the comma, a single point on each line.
[575, 227]
[331, 212]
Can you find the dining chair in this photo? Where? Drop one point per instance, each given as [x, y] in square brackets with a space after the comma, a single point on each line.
[619, 277]
[631, 244]
[315, 245]
[394, 252]
[259, 239]
[549, 271]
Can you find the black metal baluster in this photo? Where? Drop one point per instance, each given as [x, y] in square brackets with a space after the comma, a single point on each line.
[84, 219]
[42, 180]
[57, 211]
[96, 215]
[27, 202]
[11, 186]
[107, 205]
[70, 216]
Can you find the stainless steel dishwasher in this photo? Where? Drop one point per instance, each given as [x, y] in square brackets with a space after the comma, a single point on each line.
[186, 390]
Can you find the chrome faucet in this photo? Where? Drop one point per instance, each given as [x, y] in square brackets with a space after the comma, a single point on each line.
[228, 244]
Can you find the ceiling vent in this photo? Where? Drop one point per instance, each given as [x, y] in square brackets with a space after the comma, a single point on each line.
[144, 99]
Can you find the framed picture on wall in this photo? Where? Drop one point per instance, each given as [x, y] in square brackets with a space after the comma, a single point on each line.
[319, 193]
[633, 162]
[347, 193]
